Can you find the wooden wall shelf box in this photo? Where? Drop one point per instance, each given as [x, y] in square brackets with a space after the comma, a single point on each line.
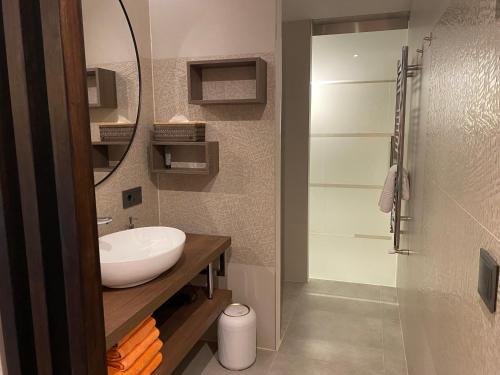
[101, 86]
[105, 154]
[197, 152]
[126, 308]
[254, 68]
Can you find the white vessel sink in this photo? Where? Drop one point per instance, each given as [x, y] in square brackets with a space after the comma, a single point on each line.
[136, 256]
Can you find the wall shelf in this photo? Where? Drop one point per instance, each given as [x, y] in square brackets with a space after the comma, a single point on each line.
[101, 86]
[106, 155]
[210, 81]
[206, 153]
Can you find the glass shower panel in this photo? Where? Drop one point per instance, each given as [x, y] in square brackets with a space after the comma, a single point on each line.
[355, 160]
[356, 107]
[352, 118]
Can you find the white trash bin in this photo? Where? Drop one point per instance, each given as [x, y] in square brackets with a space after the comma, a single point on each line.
[237, 336]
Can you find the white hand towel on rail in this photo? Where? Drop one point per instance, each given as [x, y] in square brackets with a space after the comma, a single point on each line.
[387, 196]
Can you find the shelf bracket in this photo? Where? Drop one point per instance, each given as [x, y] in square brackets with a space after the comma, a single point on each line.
[210, 281]
[222, 265]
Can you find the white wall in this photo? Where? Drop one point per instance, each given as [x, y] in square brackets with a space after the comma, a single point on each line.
[190, 28]
[107, 35]
[351, 125]
[318, 9]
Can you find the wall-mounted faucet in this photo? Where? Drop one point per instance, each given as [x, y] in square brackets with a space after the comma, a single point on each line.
[131, 224]
[104, 220]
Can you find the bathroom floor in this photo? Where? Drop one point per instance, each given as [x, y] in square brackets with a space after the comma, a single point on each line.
[329, 328]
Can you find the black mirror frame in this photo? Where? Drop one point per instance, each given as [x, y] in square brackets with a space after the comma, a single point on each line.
[136, 49]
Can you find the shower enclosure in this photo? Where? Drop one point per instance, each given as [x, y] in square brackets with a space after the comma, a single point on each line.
[353, 90]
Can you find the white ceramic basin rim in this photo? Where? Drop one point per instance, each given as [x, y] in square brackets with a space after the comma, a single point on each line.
[133, 257]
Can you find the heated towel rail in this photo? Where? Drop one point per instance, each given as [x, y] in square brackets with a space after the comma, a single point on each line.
[398, 143]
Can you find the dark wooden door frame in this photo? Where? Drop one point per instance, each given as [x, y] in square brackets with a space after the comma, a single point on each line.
[14, 290]
[50, 125]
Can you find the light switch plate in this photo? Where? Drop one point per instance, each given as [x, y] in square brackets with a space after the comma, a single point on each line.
[132, 197]
[488, 280]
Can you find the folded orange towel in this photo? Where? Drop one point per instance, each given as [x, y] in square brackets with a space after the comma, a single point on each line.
[142, 362]
[129, 342]
[127, 362]
[153, 365]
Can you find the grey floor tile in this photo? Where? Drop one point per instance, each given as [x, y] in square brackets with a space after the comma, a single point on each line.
[393, 337]
[328, 326]
[390, 312]
[388, 294]
[203, 361]
[395, 364]
[293, 365]
[292, 289]
[340, 305]
[336, 288]
[337, 353]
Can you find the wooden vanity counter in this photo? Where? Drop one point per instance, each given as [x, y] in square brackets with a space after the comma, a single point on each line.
[126, 308]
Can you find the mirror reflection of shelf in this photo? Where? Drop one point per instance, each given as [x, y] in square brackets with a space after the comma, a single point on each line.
[101, 86]
[107, 155]
[194, 158]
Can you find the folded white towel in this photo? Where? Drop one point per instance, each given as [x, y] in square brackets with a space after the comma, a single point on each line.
[385, 202]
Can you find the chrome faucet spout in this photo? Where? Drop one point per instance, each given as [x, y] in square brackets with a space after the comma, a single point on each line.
[131, 224]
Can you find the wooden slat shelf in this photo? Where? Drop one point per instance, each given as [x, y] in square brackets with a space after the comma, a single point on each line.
[126, 308]
[186, 326]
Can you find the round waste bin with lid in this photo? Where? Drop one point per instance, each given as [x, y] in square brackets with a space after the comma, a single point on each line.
[237, 336]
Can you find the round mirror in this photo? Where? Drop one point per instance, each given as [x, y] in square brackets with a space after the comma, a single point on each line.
[113, 83]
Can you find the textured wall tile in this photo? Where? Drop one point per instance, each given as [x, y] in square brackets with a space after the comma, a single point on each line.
[464, 136]
[455, 167]
[240, 201]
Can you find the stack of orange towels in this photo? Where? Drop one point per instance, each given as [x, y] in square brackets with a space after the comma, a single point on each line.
[138, 353]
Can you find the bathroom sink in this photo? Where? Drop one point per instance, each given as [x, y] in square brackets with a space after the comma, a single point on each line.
[136, 256]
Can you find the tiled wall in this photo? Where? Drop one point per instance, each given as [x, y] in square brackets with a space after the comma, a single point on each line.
[454, 164]
[240, 201]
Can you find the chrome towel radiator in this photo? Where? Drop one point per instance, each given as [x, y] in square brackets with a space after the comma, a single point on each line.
[398, 144]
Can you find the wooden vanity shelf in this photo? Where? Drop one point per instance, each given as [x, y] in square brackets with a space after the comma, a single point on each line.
[101, 86]
[209, 81]
[206, 153]
[184, 326]
[106, 155]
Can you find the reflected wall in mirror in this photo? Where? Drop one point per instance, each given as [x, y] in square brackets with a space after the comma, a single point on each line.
[113, 80]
